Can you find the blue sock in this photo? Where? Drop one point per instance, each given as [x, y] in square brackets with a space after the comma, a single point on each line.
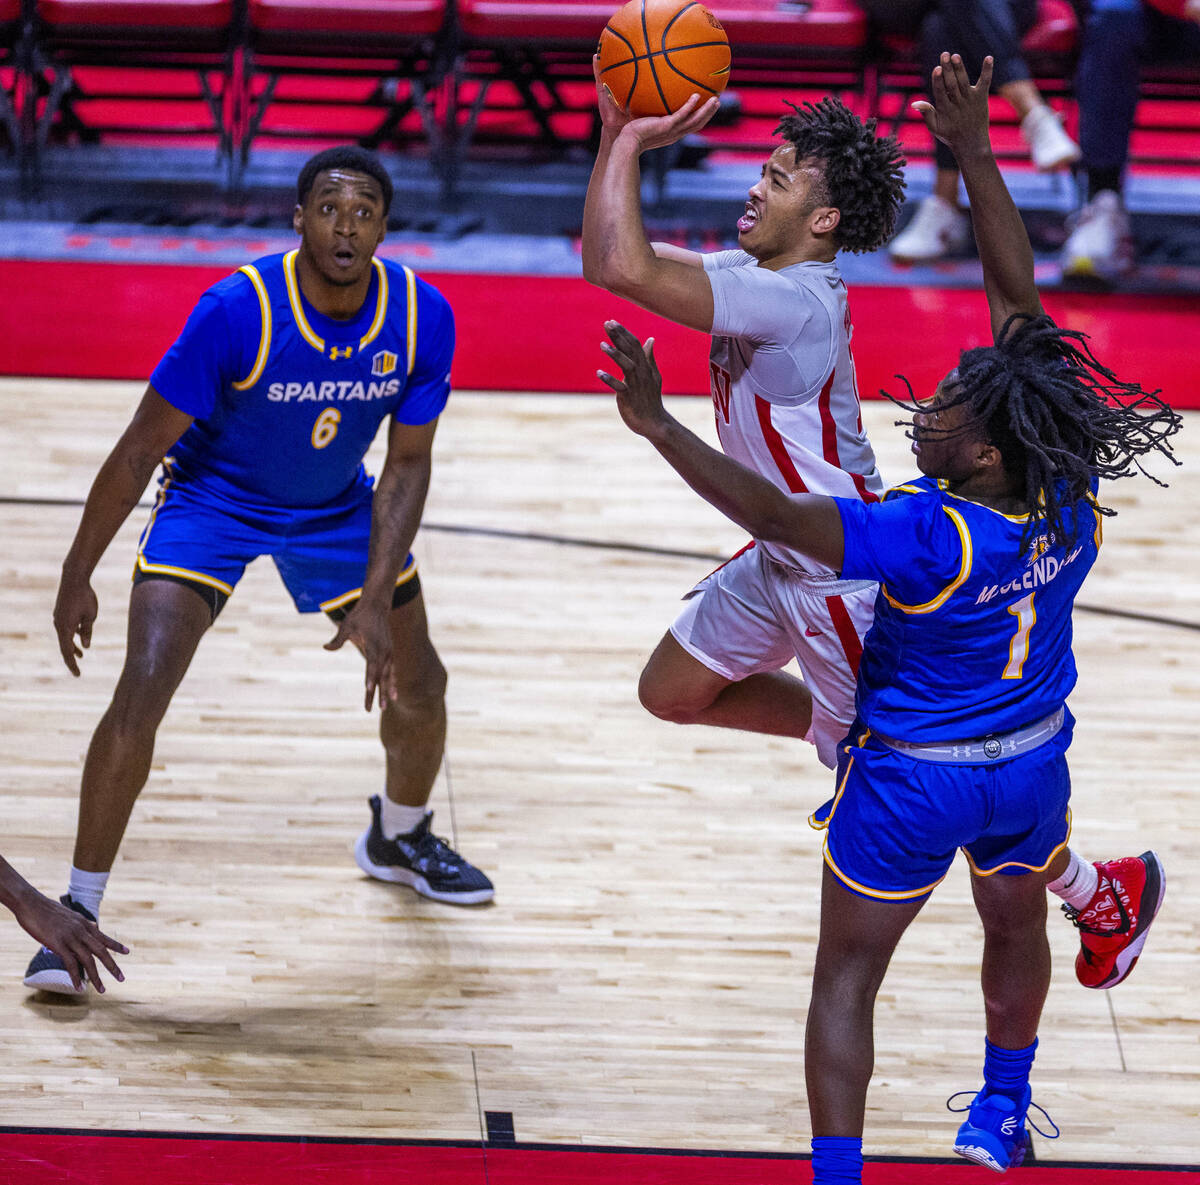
[1006, 1071]
[837, 1160]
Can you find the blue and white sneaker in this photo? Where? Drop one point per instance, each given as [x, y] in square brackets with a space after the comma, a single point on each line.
[420, 860]
[47, 972]
[994, 1133]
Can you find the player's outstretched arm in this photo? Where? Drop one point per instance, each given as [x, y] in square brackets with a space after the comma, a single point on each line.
[78, 942]
[396, 512]
[958, 116]
[616, 253]
[806, 522]
[155, 427]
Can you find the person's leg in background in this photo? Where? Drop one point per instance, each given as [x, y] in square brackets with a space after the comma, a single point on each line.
[975, 29]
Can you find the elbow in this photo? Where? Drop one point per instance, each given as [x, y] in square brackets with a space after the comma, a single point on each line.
[607, 277]
[612, 274]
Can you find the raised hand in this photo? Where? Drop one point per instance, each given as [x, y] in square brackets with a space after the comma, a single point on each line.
[652, 131]
[958, 115]
[639, 394]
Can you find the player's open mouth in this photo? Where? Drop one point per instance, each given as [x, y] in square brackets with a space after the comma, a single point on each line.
[345, 256]
[749, 219]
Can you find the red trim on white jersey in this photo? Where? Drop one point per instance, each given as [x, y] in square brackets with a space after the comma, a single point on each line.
[778, 450]
[847, 634]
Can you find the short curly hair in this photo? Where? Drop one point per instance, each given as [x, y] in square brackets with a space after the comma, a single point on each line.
[349, 157]
[863, 173]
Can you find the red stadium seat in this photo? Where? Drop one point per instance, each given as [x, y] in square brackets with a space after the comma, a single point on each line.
[578, 22]
[542, 50]
[124, 24]
[1055, 31]
[400, 45]
[787, 26]
[350, 25]
[111, 36]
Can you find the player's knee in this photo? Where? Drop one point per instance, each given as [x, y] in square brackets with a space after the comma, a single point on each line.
[420, 695]
[140, 700]
[673, 704]
[1016, 922]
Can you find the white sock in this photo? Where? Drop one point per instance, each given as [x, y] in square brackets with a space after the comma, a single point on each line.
[87, 888]
[399, 819]
[1078, 884]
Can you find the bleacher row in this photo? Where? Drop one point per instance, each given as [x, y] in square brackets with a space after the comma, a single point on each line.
[436, 63]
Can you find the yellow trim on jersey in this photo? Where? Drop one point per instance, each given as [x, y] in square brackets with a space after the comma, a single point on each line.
[168, 462]
[880, 894]
[264, 336]
[977, 871]
[293, 291]
[823, 824]
[184, 573]
[141, 564]
[354, 594]
[943, 485]
[1094, 502]
[411, 282]
[903, 489]
[381, 303]
[964, 571]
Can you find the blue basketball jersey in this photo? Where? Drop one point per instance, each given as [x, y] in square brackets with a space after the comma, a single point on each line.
[287, 401]
[972, 633]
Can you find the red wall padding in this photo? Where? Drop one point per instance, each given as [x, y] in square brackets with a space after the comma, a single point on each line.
[541, 333]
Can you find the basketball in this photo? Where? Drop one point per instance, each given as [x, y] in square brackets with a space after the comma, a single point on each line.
[655, 54]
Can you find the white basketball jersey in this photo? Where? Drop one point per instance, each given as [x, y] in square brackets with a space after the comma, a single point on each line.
[783, 384]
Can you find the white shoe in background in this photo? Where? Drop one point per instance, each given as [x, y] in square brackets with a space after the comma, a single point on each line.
[1049, 146]
[1100, 245]
[937, 229]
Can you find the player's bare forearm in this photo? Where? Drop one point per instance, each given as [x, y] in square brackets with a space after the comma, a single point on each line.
[115, 491]
[395, 516]
[958, 116]
[616, 252]
[808, 523]
[591, 240]
[622, 259]
[122, 478]
[13, 886]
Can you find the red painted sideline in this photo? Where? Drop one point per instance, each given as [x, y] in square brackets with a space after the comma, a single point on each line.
[58, 1159]
[540, 333]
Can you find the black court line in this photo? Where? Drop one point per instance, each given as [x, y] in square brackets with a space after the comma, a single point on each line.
[673, 553]
[536, 1146]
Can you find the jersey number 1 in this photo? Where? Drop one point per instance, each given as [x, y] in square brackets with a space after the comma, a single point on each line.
[1018, 648]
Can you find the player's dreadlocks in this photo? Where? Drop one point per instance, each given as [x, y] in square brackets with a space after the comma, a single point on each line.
[1057, 416]
[863, 173]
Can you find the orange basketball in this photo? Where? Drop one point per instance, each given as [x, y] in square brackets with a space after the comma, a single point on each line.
[655, 54]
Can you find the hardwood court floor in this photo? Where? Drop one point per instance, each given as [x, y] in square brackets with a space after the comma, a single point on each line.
[642, 977]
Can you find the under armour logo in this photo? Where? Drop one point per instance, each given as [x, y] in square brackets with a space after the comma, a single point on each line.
[335, 353]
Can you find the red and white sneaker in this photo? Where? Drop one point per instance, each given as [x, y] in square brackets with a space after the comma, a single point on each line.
[1113, 925]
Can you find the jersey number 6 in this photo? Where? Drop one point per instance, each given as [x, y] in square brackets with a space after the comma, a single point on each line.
[326, 427]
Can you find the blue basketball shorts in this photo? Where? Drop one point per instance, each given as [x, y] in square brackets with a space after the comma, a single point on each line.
[893, 827]
[199, 536]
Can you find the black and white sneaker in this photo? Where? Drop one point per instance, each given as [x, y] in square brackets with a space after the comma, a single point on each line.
[421, 861]
[47, 972]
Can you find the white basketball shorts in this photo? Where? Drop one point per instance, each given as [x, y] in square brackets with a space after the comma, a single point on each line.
[754, 614]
